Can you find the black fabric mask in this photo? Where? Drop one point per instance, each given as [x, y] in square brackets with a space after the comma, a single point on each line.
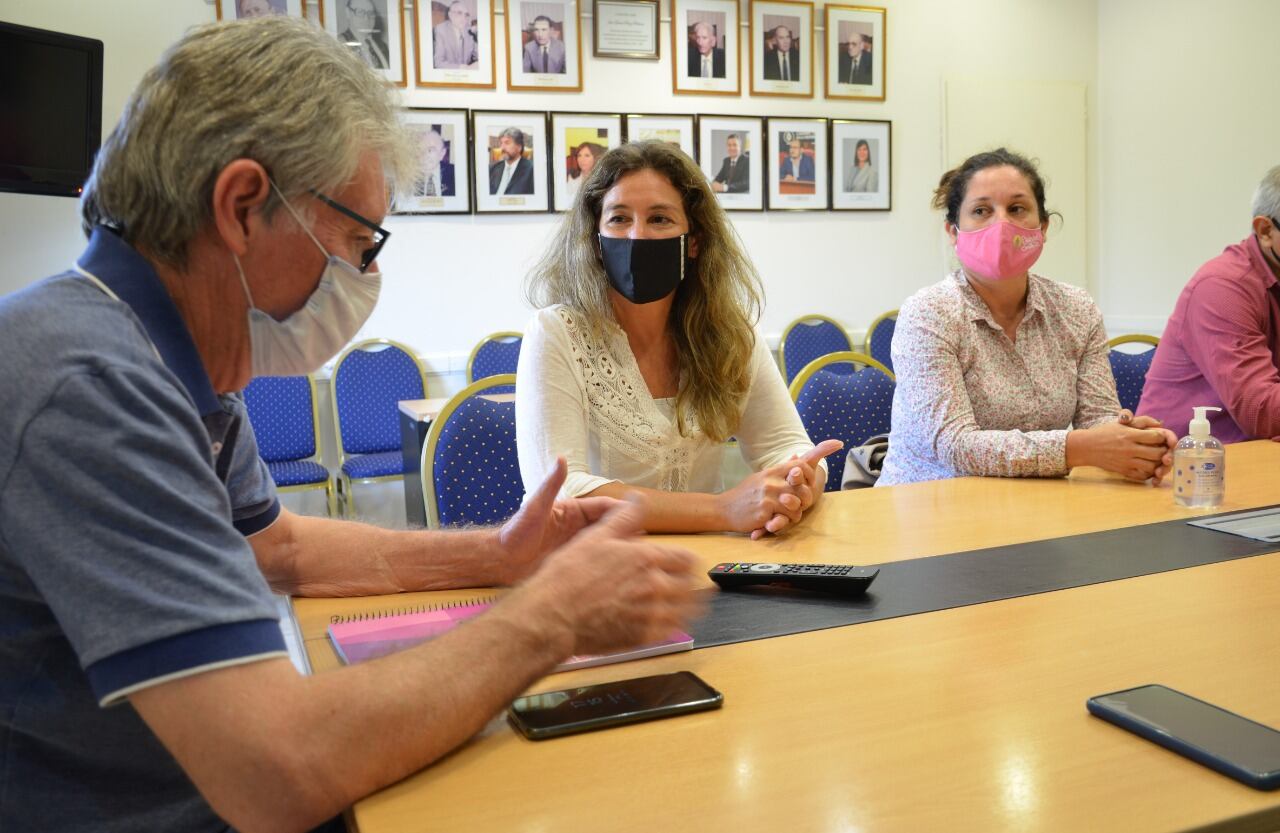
[644, 271]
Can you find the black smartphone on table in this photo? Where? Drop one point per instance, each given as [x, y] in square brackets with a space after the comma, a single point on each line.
[570, 710]
[1221, 740]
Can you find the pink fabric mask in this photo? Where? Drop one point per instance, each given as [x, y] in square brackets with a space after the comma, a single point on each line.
[1000, 251]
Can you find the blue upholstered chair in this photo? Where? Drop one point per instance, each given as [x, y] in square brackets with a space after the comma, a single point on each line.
[880, 338]
[496, 353]
[286, 421]
[852, 405]
[807, 338]
[1130, 367]
[470, 472]
[369, 380]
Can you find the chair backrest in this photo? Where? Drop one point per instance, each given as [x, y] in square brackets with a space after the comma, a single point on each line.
[880, 338]
[1129, 367]
[282, 411]
[495, 354]
[369, 379]
[807, 338]
[470, 471]
[852, 406]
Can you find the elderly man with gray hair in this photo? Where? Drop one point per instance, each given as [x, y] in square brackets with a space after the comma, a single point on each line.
[1221, 345]
[233, 218]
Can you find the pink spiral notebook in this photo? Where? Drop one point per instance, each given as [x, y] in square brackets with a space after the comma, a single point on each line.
[366, 639]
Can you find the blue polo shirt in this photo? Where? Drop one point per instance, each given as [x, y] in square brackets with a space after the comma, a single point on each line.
[127, 489]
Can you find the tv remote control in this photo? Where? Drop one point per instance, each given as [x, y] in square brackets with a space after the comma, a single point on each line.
[840, 579]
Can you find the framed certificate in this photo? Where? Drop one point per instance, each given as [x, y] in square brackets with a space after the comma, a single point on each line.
[625, 29]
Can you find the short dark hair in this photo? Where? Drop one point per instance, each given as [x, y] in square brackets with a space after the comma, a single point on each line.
[540, 17]
[955, 183]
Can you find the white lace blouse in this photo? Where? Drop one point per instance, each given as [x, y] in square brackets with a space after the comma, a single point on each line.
[586, 401]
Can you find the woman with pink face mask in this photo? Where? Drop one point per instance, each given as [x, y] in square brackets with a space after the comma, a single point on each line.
[1001, 372]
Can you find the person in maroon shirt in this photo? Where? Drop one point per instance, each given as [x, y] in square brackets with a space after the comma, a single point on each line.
[1222, 344]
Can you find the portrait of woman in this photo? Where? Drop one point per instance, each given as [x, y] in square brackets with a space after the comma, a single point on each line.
[862, 176]
[582, 161]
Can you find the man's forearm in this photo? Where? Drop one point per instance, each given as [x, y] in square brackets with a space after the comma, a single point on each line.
[274, 751]
[308, 556]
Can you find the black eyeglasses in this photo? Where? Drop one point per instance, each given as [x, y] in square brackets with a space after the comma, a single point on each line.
[380, 234]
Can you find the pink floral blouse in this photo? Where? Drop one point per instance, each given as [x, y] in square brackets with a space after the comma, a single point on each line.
[971, 402]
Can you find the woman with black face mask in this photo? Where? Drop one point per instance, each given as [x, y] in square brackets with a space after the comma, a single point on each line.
[643, 359]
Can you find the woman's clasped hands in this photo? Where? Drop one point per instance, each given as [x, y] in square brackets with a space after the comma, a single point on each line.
[1137, 447]
[776, 497]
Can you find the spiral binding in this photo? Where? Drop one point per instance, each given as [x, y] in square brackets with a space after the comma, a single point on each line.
[407, 610]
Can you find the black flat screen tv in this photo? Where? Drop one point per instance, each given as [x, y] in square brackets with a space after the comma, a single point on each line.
[50, 110]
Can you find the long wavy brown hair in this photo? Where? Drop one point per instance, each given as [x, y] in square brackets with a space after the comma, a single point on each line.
[715, 310]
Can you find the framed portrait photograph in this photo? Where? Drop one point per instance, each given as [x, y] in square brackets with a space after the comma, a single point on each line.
[731, 153]
[676, 129]
[455, 43]
[443, 183]
[781, 41]
[544, 45]
[706, 47]
[510, 161]
[855, 52]
[371, 29]
[241, 9]
[578, 140]
[798, 179]
[625, 29]
[861, 165]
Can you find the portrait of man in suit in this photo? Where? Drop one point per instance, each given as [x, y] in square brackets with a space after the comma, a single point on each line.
[259, 8]
[855, 60]
[797, 166]
[782, 62]
[543, 53]
[366, 31]
[452, 44]
[706, 60]
[512, 174]
[436, 179]
[735, 171]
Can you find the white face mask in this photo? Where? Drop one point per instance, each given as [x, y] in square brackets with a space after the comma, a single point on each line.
[308, 338]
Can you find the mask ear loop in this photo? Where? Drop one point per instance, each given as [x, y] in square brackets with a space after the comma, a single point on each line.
[682, 258]
[243, 283]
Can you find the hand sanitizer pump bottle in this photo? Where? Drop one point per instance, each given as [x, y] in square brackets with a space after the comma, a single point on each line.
[1199, 465]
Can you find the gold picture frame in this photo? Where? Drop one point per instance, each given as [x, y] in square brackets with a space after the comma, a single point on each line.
[775, 70]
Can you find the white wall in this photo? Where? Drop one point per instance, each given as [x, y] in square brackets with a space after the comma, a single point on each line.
[451, 280]
[1189, 118]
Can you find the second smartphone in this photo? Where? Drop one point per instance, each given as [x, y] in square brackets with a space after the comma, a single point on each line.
[1233, 745]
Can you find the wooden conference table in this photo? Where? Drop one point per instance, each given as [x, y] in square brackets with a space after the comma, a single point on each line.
[965, 719]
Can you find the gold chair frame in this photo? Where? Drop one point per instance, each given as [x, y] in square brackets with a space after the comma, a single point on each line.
[425, 469]
[345, 486]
